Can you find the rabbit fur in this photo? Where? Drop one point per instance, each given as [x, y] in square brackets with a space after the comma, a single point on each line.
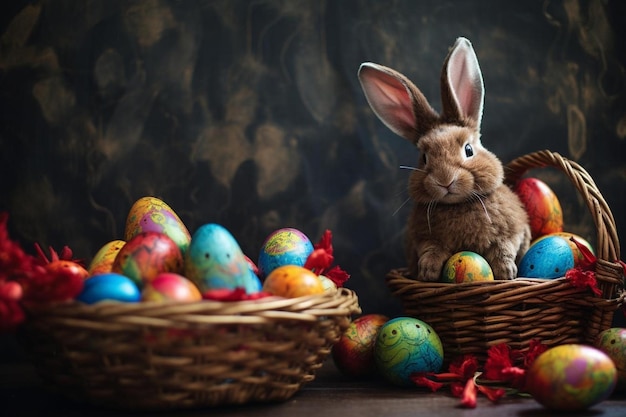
[460, 202]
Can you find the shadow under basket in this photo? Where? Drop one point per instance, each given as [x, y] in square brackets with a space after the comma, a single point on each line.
[471, 317]
[171, 355]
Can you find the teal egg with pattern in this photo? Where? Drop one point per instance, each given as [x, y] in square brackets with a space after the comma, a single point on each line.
[214, 260]
[405, 345]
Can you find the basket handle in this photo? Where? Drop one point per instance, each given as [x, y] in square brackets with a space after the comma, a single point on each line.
[609, 272]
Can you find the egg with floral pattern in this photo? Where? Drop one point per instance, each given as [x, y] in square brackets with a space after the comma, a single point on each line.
[286, 246]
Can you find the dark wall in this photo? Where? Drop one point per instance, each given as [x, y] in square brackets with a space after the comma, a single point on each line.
[249, 113]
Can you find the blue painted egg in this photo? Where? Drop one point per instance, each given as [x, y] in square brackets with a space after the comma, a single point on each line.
[111, 286]
[405, 345]
[549, 257]
[286, 246]
[214, 260]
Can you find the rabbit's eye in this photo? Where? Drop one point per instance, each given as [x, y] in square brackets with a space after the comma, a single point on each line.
[469, 151]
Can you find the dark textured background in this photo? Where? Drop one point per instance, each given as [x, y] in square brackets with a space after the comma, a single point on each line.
[249, 113]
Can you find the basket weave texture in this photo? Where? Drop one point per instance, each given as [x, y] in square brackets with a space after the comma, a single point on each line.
[471, 317]
[169, 355]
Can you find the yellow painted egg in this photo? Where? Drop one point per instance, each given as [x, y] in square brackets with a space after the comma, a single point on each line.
[292, 281]
[102, 261]
[151, 214]
[329, 285]
[466, 266]
[612, 341]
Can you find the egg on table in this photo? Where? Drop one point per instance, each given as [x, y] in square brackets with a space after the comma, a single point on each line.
[612, 341]
[286, 246]
[571, 377]
[353, 353]
[405, 345]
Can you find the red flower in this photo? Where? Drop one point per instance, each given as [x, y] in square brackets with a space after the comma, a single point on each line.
[584, 274]
[321, 259]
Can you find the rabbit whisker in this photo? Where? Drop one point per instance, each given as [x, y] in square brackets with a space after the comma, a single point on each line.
[401, 205]
[411, 168]
[479, 197]
[431, 206]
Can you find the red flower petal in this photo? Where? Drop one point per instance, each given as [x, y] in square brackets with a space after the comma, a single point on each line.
[468, 399]
[421, 380]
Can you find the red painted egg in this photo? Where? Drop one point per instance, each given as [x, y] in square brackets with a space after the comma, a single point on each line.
[170, 286]
[542, 205]
[353, 353]
[147, 255]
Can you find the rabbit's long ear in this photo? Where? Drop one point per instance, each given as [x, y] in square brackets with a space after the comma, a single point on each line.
[396, 101]
[462, 90]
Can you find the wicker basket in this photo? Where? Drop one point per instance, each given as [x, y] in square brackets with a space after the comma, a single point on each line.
[152, 356]
[471, 317]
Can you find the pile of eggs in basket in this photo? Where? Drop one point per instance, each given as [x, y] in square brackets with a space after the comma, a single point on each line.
[159, 259]
[551, 253]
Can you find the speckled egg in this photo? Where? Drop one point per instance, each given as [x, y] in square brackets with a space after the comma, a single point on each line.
[466, 266]
[292, 281]
[151, 214]
[214, 260]
[576, 252]
[146, 255]
[613, 342]
[102, 262]
[405, 345]
[571, 377]
[547, 258]
[542, 205]
[353, 354]
[286, 246]
[109, 287]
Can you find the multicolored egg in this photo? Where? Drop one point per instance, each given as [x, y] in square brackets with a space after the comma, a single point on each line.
[613, 342]
[328, 284]
[405, 345]
[151, 214]
[169, 286]
[292, 281]
[466, 266]
[146, 255]
[102, 261]
[214, 260]
[353, 354]
[542, 205]
[571, 377]
[576, 252]
[286, 246]
[549, 257]
[111, 287]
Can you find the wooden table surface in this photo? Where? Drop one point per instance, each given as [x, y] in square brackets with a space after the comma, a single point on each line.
[330, 394]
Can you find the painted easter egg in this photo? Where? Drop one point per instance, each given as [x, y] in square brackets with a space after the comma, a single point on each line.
[147, 255]
[466, 266]
[111, 287]
[542, 205]
[292, 281]
[576, 252]
[151, 214]
[353, 354]
[286, 246]
[102, 261]
[613, 342]
[214, 260]
[571, 377]
[328, 284]
[405, 345]
[168, 286]
[547, 258]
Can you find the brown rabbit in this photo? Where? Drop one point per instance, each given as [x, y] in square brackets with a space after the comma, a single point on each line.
[460, 201]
